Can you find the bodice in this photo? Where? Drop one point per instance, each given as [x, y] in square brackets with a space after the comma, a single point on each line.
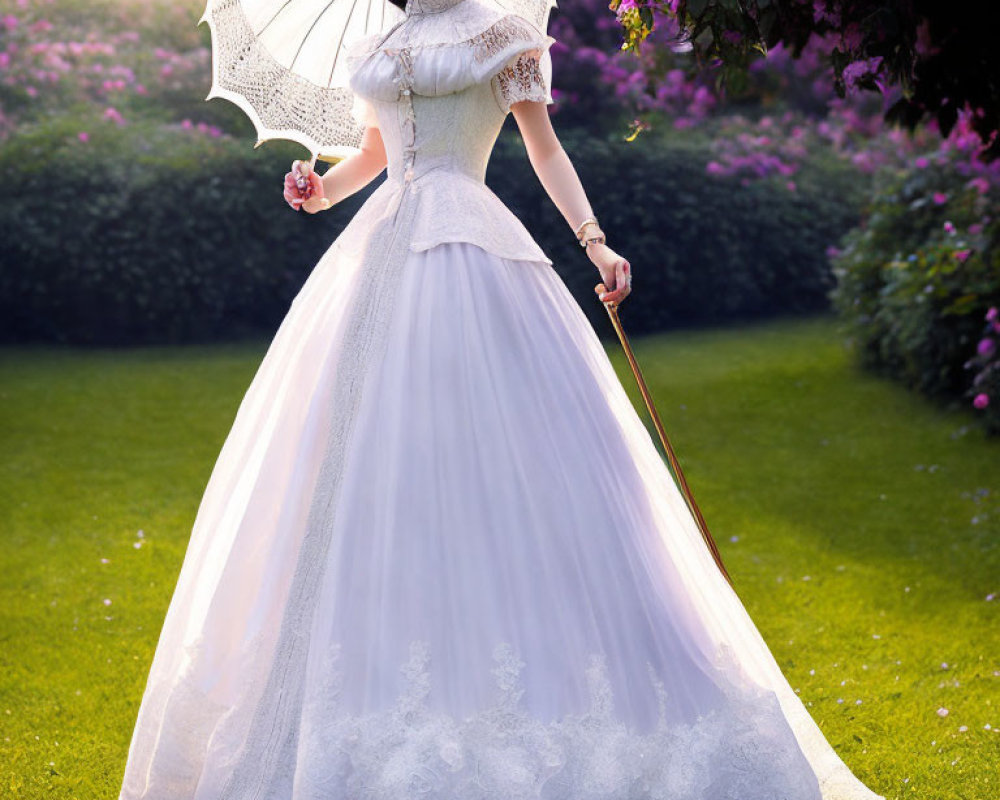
[438, 86]
[453, 132]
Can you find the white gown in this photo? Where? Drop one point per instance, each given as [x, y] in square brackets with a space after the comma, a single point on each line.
[439, 555]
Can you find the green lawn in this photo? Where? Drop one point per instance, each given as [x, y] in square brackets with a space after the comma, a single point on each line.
[860, 524]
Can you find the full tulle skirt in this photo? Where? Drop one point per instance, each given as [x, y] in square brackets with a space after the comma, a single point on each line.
[439, 556]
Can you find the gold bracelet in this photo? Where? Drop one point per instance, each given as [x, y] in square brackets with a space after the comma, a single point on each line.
[597, 236]
[588, 221]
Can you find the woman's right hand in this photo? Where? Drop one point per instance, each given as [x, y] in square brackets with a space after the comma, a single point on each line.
[304, 189]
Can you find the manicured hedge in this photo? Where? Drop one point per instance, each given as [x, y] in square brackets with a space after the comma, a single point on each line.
[147, 234]
[154, 233]
[916, 280]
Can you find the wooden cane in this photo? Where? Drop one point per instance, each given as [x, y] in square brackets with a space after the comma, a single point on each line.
[612, 310]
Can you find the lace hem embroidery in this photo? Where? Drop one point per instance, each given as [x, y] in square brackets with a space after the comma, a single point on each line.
[740, 750]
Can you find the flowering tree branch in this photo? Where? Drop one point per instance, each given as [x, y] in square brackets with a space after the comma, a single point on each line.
[942, 57]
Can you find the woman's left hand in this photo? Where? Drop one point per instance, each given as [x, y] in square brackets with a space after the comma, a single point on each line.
[616, 273]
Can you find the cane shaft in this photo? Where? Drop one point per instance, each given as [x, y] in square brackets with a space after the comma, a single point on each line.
[671, 457]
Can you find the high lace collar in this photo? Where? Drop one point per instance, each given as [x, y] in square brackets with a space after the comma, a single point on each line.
[416, 7]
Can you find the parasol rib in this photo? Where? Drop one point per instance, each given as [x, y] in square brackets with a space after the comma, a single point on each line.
[276, 13]
[319, 16]
[336, 52]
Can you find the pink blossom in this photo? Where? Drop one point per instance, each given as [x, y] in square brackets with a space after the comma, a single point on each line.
[9, 22]
[822, 12]
[186, 124]
[114, 115]
[962, 255]
[857, 71]
[922, 163]
[790, 186]
[980, 184]
[975, 228]
[992, 314]
[4, 59]
[83, 136]
[624, 7]
[949, 227]
[981, 400]
[940, 198]
[31, 91]
[985, 346]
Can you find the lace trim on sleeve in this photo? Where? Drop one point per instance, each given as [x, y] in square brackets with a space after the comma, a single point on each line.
[522, 79]
[501, 35]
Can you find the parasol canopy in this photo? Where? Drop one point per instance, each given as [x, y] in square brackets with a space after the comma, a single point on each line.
[283, 63]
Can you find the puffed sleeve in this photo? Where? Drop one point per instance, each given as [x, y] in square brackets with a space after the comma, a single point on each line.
[527, 76]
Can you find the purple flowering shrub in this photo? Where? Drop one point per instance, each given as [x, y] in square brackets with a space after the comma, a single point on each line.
[150, 246]
[985, 364]
[108, 64]
[917, 278]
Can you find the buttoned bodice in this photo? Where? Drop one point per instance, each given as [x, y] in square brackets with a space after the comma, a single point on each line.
[438, 87]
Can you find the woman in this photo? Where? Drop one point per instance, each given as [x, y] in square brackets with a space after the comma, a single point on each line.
[439, 555]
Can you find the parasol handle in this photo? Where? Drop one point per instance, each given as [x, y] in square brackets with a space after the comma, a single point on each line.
[611, 308]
